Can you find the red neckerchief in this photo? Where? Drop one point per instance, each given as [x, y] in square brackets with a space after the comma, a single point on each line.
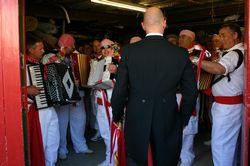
[60, 54]
[32, 60]
[35, 61]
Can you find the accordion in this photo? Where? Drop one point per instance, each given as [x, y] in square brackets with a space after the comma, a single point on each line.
[81, 67]
[205, 79]
[56, 82]
[99, 76]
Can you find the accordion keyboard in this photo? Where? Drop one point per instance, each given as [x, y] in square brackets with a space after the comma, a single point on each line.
[37, 80]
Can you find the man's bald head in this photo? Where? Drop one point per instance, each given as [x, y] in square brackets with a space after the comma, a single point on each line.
[154, 20]
[134, 39]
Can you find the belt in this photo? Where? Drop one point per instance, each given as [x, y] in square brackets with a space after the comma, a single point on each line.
[229, 99]
[99, 102]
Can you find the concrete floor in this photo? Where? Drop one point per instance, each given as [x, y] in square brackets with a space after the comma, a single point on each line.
[202, 152]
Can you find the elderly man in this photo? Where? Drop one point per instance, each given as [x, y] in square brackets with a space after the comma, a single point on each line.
[147, 80]
[73, 114]
[104, 110]
[135, 39]
[186, 40]
[227, 90]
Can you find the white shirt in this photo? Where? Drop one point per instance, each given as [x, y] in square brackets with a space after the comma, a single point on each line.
[154, 34]
[236, 85]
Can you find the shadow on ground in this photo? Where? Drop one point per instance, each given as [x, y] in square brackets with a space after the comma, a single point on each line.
[202, 152]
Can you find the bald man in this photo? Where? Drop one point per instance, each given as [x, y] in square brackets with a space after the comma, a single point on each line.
[147, 80]
[134, 39]
[186, 40]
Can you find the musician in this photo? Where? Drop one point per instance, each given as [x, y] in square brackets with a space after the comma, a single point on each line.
[97, 54]
[227, 108]
[104, 110]
[134, 39]
[173, 39]
[45, 133]
[74, 114]
[216, 45]
[216, 52]
[187, 41]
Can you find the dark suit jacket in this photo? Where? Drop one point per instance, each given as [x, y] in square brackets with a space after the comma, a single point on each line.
[148, 76]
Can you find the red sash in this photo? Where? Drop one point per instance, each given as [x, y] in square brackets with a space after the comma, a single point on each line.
[229, 99]
[35, 138]
[104, 101]
[99, 102]
[117, 139]
[150, 157]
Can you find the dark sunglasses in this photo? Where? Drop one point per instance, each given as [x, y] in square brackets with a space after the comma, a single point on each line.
[105, 47]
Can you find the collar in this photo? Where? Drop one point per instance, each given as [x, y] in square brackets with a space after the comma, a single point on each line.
[190, 50]
[31, 59]
[154, 34]
[237, 46]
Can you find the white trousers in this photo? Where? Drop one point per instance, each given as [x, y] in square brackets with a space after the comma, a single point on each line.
[104, 127]
[187, 154]
[50, 134]
[225, 131]
[76, 116]
[94, 123]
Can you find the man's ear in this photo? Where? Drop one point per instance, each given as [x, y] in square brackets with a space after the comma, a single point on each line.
[165, 23]
[235, 35]
[30, 50]
[143, 26]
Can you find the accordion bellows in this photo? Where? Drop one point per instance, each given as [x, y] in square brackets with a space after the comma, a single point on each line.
[205, 80]
[99, 76]
[57, 84]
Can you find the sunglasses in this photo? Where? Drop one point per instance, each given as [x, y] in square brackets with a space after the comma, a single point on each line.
[105, 47]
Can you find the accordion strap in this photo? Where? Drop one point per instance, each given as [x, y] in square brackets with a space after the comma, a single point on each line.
[199, 67]
[240, 60]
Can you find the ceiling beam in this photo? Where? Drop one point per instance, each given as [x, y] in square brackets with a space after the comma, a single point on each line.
[204, 13]
[50, 11]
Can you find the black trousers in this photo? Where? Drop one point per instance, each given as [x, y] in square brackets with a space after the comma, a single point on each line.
[130, 161]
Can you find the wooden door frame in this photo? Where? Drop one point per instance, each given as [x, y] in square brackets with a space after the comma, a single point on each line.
[10, 85]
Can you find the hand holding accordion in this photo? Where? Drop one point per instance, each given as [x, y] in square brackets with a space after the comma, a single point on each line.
[100, 76]
[204, 78]
[56, 83]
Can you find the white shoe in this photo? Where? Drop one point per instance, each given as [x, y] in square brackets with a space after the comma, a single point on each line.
[208, 143]
[186, 164]
[62, 156]
[87, 151]
[96, 137]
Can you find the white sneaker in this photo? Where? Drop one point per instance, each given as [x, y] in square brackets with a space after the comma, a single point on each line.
[185, 164]
[96, 137]
[208, 143]
[62, 156]
[87, 151]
